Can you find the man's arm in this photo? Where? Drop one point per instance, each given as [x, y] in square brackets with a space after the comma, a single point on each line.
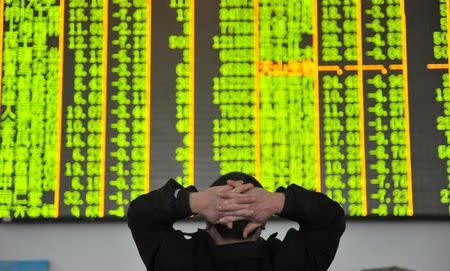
[322, 223]
[151, 216]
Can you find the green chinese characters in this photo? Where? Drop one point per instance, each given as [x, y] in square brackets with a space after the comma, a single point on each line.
[29, 117]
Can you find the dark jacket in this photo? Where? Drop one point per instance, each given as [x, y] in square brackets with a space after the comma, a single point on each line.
[151, 217]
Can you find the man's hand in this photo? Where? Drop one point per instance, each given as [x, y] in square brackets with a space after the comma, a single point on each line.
[210, 205]
[264, 206]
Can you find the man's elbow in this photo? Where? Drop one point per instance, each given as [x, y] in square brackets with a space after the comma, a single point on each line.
[134, 210]
[130, 216]
[339, 219]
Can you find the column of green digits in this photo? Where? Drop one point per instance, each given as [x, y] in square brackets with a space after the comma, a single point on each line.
[377, 116]
[233, 132]
[83, 116]
[331, 28]
[334, 126]
[332, 89]
[397, 128]
[398, 147]
[377, 134]
[353, 145]
[139, 87]
[181, 42]
[386, 117]
[375, 31]
[118, 152]
[28, 122]
[443, 97]
[126, 159]
[340, 105]
[440, 48]
[443, 125]
[349, 25]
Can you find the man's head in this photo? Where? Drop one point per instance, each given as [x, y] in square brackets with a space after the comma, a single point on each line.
[238, 226]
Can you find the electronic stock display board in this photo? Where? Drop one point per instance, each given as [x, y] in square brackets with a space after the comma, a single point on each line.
[103, 100]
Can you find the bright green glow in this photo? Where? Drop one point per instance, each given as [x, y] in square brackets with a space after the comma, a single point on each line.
[390, 152]
[340, 108]
[443, 124]
[29, 117]
[440, 37]
[287, 102]
[83, 116]
[443, 97]
[385, 136]
[288, 143]
[385, 112]
[127, 121]
[342, 140]
[181, 42]
[233, 133]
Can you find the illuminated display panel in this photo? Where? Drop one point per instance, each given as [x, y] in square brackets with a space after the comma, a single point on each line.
[103, 100]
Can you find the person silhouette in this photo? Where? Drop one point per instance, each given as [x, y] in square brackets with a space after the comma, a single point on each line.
[235, 208]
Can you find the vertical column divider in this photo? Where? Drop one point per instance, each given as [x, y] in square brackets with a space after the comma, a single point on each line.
[257, 89]
[148, 97]
[59, 106]
[104, 109]
[316, 95]
[361, 107]
[406, 103]
[191, 91]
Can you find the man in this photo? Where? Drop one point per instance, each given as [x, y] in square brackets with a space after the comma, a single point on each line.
[236, 209]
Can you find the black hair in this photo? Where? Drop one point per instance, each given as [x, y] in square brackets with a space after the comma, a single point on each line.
[238, 226]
